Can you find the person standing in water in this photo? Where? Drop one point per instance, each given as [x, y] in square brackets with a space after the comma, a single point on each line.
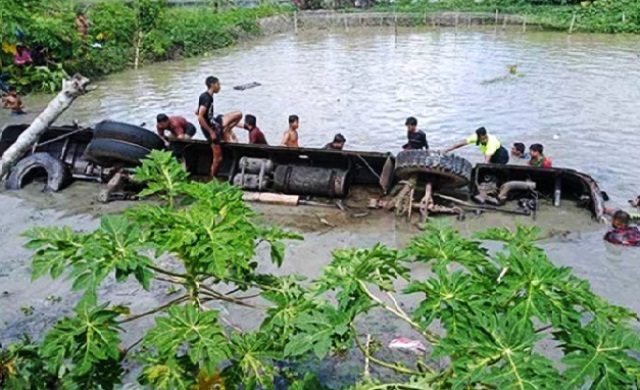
[290, 137]
[337, 144]
[417, 139]
[256, 136]
[493, 151]
[538, 159]
[13, 102]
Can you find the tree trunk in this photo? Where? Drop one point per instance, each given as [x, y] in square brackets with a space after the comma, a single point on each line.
[71, 89]
[136, 62]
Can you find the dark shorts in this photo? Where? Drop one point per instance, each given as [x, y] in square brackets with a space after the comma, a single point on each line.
[190, 129]
[218, 129]
[501, 156]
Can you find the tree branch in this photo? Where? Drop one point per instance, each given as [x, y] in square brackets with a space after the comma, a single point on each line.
[367, 355]
[427, 334]
[168, 273]
[170, 303]
[217, 296]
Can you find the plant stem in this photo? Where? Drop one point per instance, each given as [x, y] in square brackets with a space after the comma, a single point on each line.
[217, 296]
[168, 273]
[367, 355]
[168, 280]
[170, 303]
[430, 336]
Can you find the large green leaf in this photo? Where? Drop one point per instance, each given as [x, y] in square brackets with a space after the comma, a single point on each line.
[197, 331]
[318, 331]
[601, 355]
[90, 340]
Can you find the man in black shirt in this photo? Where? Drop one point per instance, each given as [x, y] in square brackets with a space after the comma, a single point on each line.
[215, 129]
[417, 138]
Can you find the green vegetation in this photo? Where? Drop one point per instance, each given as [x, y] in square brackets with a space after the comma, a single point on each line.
[120, 35]
[483, 316]
[602, 16]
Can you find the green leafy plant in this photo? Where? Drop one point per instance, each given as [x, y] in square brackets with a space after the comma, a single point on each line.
[483, 316]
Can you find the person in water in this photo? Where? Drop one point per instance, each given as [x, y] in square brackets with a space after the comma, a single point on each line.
[256, 136]
[518, 150]
[290, 137]
[623, 233]
[13, 102]
[337, 144]
[417, 139]
[489, 144]
[538, 159]
[178, 126]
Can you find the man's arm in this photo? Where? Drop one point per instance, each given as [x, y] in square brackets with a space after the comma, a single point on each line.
[285, 139]
[161, 134]
[423, 141]
[202, 113]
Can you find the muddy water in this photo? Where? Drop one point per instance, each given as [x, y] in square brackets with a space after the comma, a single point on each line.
[578, 95]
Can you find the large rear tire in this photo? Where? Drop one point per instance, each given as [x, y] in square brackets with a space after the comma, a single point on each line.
[109, 152]
[441, 170]
[128, 133]
[39, 165]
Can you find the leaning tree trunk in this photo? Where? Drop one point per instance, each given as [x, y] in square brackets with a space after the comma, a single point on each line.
[140, 38]
[71, 89]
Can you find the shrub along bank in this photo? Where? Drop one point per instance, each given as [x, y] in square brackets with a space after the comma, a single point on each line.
[116, 31]
[599, 16]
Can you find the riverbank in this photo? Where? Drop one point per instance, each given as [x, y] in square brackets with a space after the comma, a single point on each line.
[118, 38]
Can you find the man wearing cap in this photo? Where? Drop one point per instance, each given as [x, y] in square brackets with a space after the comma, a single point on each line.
[417, 139]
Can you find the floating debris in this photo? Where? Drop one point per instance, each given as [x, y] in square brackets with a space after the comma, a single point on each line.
[513, 73]
[247, 86]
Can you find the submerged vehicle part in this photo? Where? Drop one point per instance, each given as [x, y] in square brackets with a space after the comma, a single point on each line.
[302, 180]
[552, 183]
[39, 166]
[439, 169]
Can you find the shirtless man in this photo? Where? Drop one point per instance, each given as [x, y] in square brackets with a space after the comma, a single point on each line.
[13, 102]
[82, 25]
[214, 130]
[290, 138]
[178, 126]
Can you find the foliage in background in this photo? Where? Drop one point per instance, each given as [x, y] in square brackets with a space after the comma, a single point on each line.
[117, 30]
[484, 317]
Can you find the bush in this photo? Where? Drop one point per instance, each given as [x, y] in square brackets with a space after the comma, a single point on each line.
[483, 317]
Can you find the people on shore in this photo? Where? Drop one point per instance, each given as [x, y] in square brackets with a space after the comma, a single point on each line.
[13, 101]
[256, 136]
[82, 24]
[177, 126]
[22, 57]
[417, 139]
[337, 143]
[519, 151]
[622, 233]
[290, 137]
[489, 145]
[538, 159]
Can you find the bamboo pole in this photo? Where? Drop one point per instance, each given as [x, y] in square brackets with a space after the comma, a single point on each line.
[573, 22]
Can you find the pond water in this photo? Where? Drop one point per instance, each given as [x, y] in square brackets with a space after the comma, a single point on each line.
[578, 95]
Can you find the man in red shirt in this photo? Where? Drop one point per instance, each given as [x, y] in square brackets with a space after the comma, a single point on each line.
[256, 136]
[178, 126]
[538, 159]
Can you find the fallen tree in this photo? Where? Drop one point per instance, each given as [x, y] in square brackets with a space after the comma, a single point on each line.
[71, 89]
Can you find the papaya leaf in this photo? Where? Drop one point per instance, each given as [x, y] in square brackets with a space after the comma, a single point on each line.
[198, 332]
